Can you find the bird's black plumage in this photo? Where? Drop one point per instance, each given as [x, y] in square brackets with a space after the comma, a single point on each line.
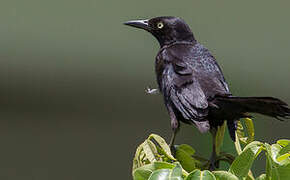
[189, 78]
[192, 83]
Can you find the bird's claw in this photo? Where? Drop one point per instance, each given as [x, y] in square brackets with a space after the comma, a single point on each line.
[213, 163]
[148, 90]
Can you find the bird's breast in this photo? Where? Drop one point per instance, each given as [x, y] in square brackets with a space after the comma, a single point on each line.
[159, 69]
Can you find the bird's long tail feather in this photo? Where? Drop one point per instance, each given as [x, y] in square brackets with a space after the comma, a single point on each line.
[241, 106]
[268, 106]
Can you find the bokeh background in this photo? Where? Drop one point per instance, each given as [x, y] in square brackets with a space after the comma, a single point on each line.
[72, 79]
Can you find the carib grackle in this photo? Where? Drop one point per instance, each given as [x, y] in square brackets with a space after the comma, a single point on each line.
[194, 88]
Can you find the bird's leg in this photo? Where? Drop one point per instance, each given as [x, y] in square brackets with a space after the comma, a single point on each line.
[175, 128]
[172, 139]
[148, 90]
[213, 163]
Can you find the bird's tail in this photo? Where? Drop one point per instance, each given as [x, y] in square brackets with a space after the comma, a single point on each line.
[268, 106]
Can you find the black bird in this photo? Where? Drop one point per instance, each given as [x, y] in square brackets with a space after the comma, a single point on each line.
[194, 88]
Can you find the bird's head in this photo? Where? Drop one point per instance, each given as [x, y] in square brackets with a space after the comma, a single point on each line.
[166, 29]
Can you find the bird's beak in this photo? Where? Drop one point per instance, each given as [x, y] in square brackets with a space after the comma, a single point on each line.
[142, 24]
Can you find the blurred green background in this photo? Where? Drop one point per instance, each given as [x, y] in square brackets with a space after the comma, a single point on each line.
[72, 79]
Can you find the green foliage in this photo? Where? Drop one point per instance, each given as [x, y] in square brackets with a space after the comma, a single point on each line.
[242, 164]
[220, 137]
[153, 160]
[200, 175]
[184, 155]
[246, 134]
[224, 175]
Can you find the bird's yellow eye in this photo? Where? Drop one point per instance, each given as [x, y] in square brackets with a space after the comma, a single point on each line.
[160, 25]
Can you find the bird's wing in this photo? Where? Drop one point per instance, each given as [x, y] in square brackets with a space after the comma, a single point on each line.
[191, 77]
[182, 90]
[204, 67]
[208, 72]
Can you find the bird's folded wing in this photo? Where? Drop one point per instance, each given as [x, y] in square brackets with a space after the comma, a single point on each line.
[186, 93]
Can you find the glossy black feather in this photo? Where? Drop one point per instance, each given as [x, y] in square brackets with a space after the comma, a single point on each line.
[192, 83]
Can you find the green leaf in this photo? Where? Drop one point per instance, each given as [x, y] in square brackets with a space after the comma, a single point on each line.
[184, 154]
[283, 142]
[161, 174]
[220, 137]
[141, 174]
[200, 175]
[154, 148]
[145, 154]
[224, 175]
[157, 165]
[261, 177]
[186, 148]
[282, 172]
[237, 144]
[161, 145]
[136, 161]
[250, 130]
[240, 131]
[150, 150]
[167, 174]
[250, 176]
[279, 155]
[269, 161]
[176, 173]
[145, 171]
[242, 164]
[274, 169]
[275, 149]
[246, 134]
[283, 155]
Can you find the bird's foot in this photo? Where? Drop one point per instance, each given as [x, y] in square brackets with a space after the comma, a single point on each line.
[148, 90]
[213, 163]
[212, 166]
